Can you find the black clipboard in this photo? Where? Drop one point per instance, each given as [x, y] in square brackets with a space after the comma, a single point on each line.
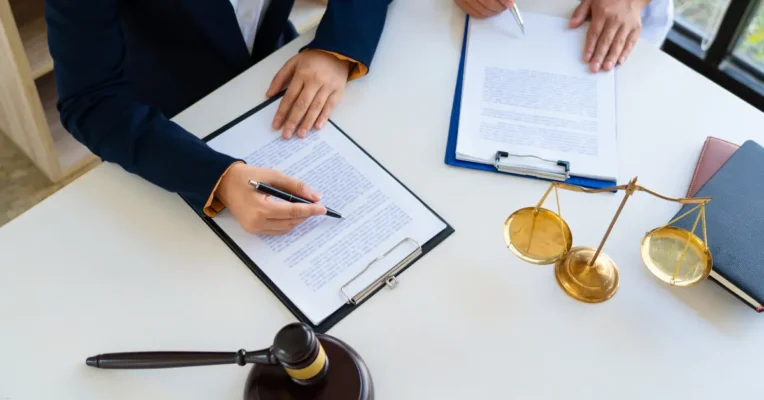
[347, 308]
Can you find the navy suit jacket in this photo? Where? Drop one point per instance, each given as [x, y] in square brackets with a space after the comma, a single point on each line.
[123, 68]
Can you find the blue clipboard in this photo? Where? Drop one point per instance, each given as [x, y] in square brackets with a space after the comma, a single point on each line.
[453, 132]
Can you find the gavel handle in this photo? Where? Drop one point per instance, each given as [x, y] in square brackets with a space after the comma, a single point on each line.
[163, 359]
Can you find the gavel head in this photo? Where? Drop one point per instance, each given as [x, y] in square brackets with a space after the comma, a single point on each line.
[299, 351]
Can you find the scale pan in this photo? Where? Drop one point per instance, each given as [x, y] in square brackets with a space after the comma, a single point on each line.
[662, 249]
[537, 237]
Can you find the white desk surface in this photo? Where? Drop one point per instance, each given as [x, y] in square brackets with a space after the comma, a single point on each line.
[111, 263]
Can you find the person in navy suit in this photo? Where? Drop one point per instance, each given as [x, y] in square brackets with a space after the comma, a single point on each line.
[123, 69]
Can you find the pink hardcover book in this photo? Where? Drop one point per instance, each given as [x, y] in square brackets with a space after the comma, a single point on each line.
[714, 154]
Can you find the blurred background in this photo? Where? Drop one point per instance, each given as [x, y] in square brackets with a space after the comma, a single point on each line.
[724, 41]
[703, 17]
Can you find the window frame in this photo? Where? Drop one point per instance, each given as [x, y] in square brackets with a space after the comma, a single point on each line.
[719, 63]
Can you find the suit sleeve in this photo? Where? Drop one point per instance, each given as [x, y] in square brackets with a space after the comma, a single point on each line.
[352, 28]
[97, 108]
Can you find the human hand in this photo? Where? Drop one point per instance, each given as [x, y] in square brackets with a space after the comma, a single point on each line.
[258, 213]
[613, 32]
[316, 82]
[484, 8]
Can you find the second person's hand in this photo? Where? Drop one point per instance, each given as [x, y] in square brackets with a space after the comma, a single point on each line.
[316, 82]
[484, 8]
[261, 214]
[613, 32]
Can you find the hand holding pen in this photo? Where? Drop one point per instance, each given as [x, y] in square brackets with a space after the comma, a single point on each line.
[259, 213]
[269, 190]
[489, 8]
[484, 8]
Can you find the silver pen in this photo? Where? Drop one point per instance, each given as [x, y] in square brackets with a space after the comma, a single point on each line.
[518, 18]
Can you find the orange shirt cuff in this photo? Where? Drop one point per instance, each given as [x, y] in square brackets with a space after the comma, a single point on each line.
[357, 69]
[214, 205]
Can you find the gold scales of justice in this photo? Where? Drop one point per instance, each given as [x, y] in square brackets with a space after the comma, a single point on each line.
[674, 255]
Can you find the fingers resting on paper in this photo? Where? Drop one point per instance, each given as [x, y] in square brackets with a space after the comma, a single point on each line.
[316, 81]
[613, 32]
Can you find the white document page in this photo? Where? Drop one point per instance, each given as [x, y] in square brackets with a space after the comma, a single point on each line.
[534, 95]
[312, 262]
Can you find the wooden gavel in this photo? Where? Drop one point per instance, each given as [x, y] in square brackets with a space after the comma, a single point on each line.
[300, 355]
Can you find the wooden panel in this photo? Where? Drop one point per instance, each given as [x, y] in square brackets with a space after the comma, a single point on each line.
[71, 153]
[27, 10]
[25, 119]
[30, 18]
[4, 123]
[34, 36]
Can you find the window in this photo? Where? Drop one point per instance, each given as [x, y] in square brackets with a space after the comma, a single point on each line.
[750, 47]
[724, 41]
[699, 16]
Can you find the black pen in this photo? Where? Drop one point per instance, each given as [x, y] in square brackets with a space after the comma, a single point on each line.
[272, 191]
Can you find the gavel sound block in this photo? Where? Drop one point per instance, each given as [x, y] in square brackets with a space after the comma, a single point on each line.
[300, 365]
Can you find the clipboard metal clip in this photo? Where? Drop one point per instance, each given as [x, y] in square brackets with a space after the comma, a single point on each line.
[557, 170]
[388, 278]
